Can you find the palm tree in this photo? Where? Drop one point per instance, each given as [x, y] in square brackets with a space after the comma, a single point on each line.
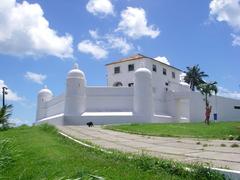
[194, 76]
[207, 90]
[5, 113]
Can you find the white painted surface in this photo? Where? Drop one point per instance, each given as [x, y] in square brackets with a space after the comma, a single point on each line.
[109, 99]
[149, 100]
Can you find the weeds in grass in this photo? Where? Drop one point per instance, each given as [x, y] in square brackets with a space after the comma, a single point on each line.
[7, 153]
[230, 137]
[234, 145]
[205, 145]
[237, 138]
[223, 145]
[198, 171]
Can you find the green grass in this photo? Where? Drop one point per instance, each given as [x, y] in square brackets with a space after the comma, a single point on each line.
[40, 153]
[220, 130]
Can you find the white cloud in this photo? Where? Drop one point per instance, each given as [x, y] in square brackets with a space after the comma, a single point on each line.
[162, 59]
[119, 43]
[18, 122]
[94, 34]
[134, 24]
[100, 7]
[11, 96]
[236, 40]
[101, 44]
[94, 49]
[37, 78]
[25, 31]
[226, 11]
[227, 93]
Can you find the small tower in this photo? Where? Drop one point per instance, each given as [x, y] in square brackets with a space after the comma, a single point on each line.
[143, 95]
[44, 95]
[75, 97]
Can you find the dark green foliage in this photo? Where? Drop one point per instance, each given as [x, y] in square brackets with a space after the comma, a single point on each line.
[237, 138]
[234, 145]
[207, 90]
[194, 76]
[5, 113]
[230, 137]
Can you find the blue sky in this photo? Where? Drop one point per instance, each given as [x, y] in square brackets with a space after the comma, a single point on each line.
[40, 40]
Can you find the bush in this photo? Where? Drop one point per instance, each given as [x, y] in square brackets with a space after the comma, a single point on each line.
[230, 137]
[237, 138]
[234, 145]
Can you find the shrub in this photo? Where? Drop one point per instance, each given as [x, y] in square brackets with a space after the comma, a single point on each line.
[237, 138]
[234, 145]
[230, 137]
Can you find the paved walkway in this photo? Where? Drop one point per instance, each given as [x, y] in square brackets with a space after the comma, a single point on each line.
[182, 149]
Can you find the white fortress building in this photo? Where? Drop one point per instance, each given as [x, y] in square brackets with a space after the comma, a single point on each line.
[139, 90]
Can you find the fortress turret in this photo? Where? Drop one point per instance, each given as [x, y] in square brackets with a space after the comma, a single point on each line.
[75, 96]
[143, 95]
[44, 95]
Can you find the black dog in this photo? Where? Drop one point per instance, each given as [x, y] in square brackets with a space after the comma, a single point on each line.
[90, 124]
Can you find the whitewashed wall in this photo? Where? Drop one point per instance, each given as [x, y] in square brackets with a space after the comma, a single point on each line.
[223, 106]
[55, 106]
[100, 99]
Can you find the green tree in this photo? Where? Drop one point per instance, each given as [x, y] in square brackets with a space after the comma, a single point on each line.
[194, 76]
[207, 90]
[5, 113]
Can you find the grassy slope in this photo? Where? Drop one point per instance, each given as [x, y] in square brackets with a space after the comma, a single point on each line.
[40, 154]
[218, 130]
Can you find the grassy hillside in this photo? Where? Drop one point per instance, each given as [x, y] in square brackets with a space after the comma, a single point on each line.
[219, 130]
[41, 153]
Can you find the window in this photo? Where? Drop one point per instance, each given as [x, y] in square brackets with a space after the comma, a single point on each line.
[173, 75]
[131, 67]
[164, 71]
[130, 84]
[117, 70]
[117, 84]
[236, 107]
[154, 68]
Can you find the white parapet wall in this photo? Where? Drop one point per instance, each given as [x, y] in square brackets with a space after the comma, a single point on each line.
[224, 107]
[142, 103]
[109, 99]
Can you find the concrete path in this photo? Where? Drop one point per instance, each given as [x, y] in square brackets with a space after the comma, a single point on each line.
[181, 149]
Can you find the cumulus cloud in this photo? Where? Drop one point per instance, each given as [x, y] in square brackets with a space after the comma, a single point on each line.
[35, 77]
[236, 40]
[134, 24]
[94, 49]
[101, 44]
[119, 43]
[25, 31]
[100, 7]
[226, 11]
[162, 59]
[11, 96]
[94, 34]
[227, 93]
